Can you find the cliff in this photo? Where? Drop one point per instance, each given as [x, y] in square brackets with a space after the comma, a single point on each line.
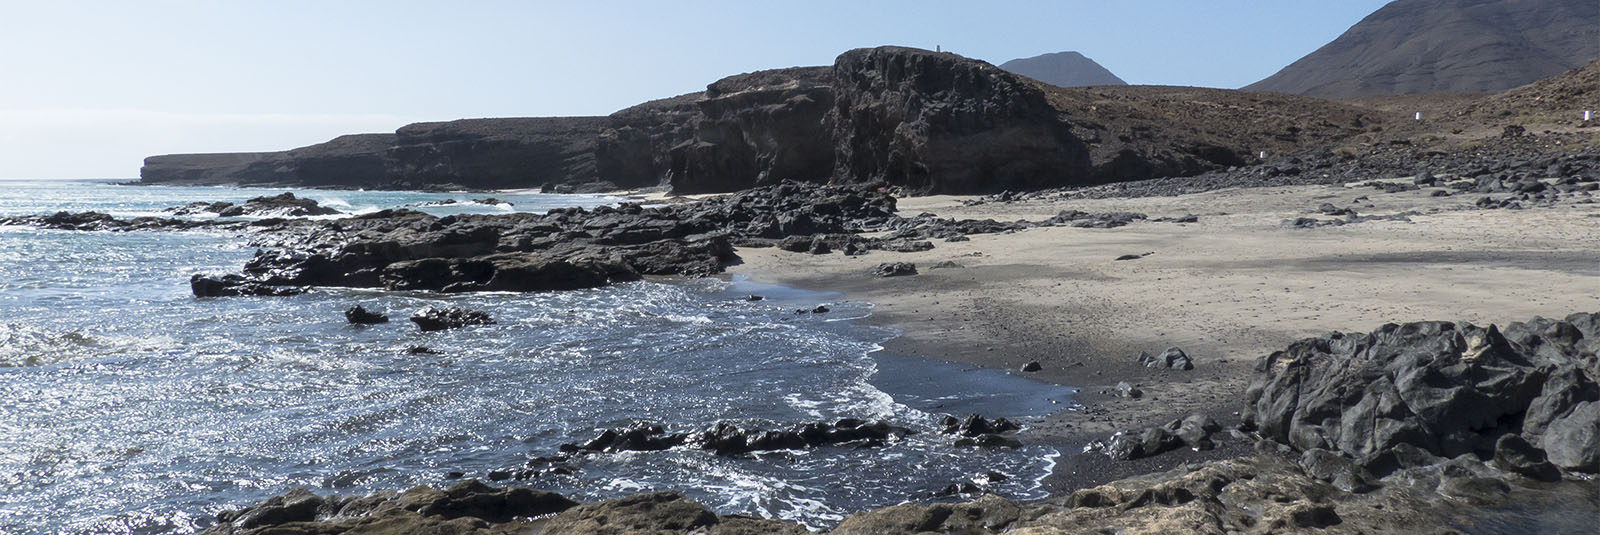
[497, 153]
[1434, 46]
[1063, 69]
[925, 121]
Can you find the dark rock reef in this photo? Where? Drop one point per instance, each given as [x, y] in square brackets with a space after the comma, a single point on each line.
[572, 248]
[281, 205]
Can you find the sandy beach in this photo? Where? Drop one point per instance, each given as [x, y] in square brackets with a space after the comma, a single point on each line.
[1231, 287]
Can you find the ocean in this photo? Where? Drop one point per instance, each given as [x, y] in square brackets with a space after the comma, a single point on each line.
[131, 406]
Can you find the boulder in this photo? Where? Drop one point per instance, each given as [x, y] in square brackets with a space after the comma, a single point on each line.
[1572, 442]
[974, 425]
[1173, 358]
[1513, 454]
[361, 316]
[438, 319]
[895, 269]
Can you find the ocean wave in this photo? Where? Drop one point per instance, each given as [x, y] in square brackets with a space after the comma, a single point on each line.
[27, 345]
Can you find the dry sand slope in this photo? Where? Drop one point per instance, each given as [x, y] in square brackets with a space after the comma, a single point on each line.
[1232, 287]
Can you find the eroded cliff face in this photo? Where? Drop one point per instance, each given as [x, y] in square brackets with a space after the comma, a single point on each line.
[941, 123]
[924, 121]
[498, 153]
[468, 153]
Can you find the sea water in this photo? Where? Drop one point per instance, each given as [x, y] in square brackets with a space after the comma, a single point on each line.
[127, 405]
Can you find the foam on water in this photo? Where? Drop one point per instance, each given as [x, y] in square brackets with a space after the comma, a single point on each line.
[133, 407]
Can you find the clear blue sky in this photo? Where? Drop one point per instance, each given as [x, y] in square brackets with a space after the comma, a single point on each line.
[87, 89]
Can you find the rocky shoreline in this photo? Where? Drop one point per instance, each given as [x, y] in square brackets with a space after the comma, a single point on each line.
[1296, 456]
[1412, 427]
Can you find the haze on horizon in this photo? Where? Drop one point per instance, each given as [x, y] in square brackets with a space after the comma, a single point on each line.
[94, 87]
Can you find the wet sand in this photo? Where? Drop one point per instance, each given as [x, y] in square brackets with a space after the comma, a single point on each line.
[1234, 286]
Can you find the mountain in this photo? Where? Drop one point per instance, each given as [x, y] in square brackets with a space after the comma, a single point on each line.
[1439, 46]
[1063, 69]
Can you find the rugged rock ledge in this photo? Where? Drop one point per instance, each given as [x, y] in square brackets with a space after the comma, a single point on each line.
[1392, 431]
[568, 249]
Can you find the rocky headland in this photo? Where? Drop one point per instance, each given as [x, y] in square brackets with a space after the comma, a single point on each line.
[928, 122]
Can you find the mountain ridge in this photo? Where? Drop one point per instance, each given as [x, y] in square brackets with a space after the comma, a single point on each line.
[1446, 46]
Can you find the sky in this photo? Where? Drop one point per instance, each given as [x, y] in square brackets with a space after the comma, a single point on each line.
[88, 89]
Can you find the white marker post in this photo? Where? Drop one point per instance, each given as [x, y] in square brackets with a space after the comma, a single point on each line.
[1263, 155]
[1587, 114]
[1419, 116]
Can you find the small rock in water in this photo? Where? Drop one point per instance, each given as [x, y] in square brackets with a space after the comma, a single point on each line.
[754, 298]
[438, 319]
[1131, 256]
[821, 309]
[1032, 366]
[895, 269]
[361, 316]
[422, 350]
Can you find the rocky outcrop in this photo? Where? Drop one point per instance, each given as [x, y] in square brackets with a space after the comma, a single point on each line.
[1434, 46]
[282, 205]
[1444, 388]
[467, 508]
[573, 248]
[564, 249]
[659, 514]
[1063, 69]
[940, 123]
[91, 221]
[729, 439]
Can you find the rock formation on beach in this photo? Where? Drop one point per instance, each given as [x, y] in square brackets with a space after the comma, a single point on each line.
[573, 248]
[1447, 46]
[1063, 69]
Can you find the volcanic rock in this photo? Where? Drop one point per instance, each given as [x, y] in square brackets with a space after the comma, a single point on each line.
[361, 316]
[438, 319]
